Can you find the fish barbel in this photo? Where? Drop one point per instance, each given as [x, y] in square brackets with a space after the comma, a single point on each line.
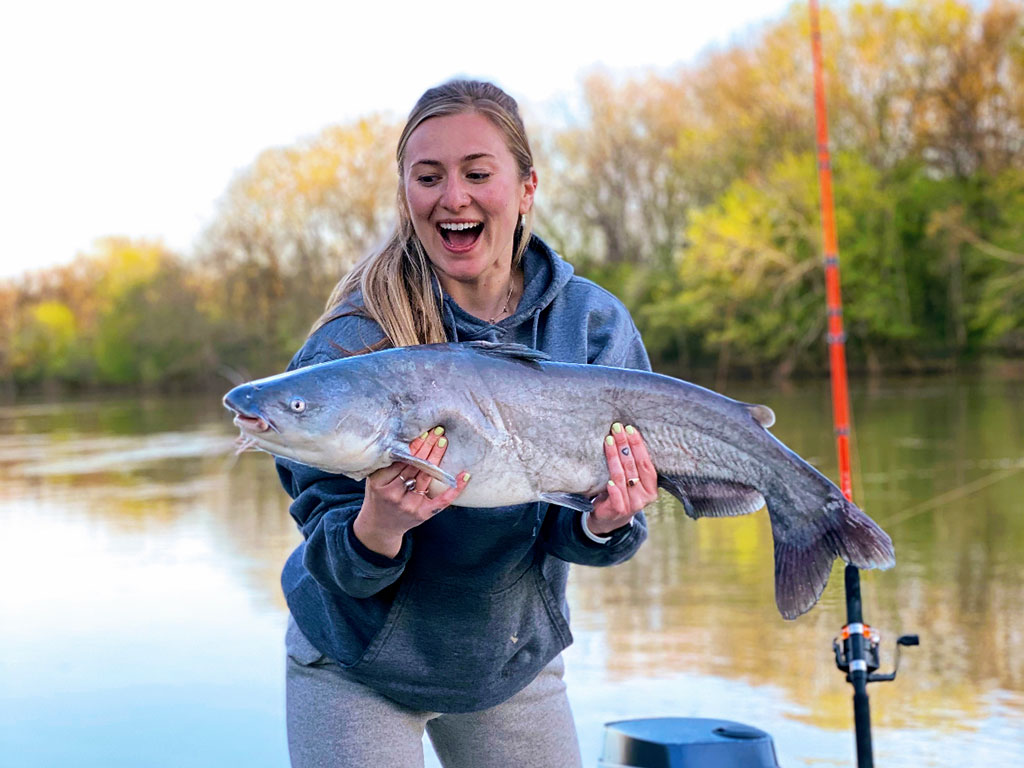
[532, 430]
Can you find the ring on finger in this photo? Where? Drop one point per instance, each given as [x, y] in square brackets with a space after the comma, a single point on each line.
[409, 484]
[632, 481]
[419, 493]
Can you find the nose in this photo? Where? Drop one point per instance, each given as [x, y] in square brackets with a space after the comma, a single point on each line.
[455, 196]
[240, 400]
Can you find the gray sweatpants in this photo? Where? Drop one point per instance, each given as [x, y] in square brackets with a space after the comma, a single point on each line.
[335, 722]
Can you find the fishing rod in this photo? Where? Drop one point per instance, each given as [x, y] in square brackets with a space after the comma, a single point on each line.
[857, 647]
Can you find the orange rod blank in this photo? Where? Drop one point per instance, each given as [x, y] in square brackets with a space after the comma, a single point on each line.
[833, 297]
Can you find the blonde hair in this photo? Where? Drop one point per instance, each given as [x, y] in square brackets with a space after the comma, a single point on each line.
[396, 280]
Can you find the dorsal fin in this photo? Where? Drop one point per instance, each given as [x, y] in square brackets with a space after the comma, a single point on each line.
[762, 414]
[503, 349]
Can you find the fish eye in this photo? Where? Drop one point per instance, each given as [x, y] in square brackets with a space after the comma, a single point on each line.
[297, 404]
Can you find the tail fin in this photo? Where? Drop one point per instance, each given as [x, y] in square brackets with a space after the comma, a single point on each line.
[804, 554]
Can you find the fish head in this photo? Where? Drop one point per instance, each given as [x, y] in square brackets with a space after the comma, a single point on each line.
[324, 416]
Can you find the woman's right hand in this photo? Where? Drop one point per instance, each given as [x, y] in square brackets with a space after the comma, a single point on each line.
[396, 498]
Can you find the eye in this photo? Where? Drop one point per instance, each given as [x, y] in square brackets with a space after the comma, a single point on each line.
[297, 404]
[427, 179]
[478, 176]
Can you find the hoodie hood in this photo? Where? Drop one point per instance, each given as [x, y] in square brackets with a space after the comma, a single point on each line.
[560, 313]
[545, 274]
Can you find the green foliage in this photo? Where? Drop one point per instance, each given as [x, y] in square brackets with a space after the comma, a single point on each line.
[991, 237]
[928, 146]
[692, 195]
[153, 333]
[44, 346]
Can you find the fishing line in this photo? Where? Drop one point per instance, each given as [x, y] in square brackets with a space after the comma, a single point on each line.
[956, 493]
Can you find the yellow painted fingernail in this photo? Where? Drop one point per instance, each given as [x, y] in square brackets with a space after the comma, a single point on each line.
[465, 476]
[423, 436]
[616, 427]
[442, 442]
[609, 440]
[611, 483]
[438, 430]
[630, 430]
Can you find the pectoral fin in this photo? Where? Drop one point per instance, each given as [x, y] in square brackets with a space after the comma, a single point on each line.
[570, 500]
[704, 497]
[401, 453]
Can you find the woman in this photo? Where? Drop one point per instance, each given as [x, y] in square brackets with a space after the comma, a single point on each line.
[409, 614]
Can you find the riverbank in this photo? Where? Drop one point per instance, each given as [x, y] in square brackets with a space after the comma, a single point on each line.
[990, 368]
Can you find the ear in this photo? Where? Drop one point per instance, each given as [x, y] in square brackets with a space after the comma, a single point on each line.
[529, 190]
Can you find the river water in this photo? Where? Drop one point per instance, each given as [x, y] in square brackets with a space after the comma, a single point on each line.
[142, 620]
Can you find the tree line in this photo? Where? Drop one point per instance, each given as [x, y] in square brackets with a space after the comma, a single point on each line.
[690, 194]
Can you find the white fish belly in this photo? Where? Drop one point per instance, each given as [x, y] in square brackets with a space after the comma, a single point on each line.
[517, 468]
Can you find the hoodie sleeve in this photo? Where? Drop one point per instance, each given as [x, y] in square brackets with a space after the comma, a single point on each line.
[562, 536]
[616, 343]
[325, 505]
[324, 508]
[628, 353]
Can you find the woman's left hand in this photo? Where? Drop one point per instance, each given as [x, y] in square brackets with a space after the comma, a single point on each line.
[633, 484]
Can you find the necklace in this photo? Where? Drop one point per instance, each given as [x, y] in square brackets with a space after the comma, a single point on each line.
[504, 308]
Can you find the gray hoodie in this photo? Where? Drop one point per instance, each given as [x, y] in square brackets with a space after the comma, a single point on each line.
[473, 606]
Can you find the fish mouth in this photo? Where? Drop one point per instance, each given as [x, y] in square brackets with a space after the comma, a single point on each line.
[248, 419]
[251, 424]
[463, 239]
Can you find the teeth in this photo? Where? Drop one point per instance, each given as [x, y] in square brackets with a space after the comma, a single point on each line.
[457, 227]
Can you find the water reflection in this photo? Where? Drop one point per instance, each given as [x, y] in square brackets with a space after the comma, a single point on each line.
[150, 559]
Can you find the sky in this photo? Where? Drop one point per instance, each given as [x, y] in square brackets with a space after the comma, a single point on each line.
[131, 118]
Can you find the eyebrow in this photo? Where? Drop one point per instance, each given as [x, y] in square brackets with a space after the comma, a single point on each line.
[466, 159]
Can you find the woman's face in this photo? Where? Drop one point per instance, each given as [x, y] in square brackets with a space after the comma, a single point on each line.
[465, 195]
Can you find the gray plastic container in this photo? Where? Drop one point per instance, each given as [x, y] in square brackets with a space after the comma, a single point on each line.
[685, 742]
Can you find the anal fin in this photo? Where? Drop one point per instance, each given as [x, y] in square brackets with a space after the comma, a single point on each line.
[710, 497]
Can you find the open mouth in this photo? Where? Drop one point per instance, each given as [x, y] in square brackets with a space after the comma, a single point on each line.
[251, 423]
[247, 418]
[460, 236]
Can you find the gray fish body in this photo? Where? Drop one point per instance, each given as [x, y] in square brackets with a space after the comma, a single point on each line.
[532, 430]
